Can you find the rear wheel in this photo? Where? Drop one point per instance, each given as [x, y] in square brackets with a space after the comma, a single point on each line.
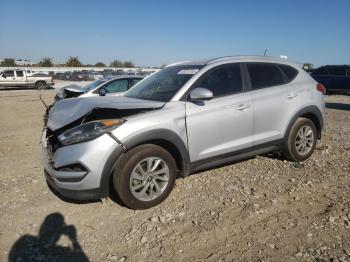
[301, 140]
[144, 176]
[40, 85]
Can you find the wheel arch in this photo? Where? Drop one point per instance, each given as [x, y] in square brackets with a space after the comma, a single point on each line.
[164, 138]
[38, 82]
[168, 140]
[310, 112]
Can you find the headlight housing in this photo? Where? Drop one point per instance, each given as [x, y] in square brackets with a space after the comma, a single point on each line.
[88, 131]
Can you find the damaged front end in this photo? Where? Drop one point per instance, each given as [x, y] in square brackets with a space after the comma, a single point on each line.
[94, 124]
[78, 120]
[77, 155]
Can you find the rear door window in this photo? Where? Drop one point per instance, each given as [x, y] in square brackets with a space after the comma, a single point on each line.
[19, 73]
[263, 75]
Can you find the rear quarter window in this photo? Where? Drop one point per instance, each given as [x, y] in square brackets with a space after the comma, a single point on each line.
[263, 75]
[289, 72]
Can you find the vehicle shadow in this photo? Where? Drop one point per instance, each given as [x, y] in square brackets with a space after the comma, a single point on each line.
[338, 106]
[44, 247]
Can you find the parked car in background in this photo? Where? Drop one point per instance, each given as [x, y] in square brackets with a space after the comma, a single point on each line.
[186, 117]
[107, 72]
[96, 75]
[20, 78]
[113, 85]
[62, 75]
[119, 72]
[335, 78]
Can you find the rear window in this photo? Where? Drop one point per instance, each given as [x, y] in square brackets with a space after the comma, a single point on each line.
[263, 75]
[289, 71]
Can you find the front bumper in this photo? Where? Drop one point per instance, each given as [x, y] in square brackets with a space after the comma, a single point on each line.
[81, 171]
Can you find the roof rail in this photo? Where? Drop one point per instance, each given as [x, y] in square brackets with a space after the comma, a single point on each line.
[219, 59]
[243, 57]
[177, 63]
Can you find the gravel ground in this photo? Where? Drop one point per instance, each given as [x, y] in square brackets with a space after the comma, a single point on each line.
[262, 209]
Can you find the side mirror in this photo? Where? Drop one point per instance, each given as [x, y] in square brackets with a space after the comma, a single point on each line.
[102, 91]
[200, 94]
[4, 76]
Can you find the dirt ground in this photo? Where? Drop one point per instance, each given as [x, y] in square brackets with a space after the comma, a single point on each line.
[262, 209]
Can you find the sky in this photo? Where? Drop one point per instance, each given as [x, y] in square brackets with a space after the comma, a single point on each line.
[154, 32]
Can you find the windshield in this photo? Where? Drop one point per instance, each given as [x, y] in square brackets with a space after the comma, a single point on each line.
[93, 85]
[163, 85]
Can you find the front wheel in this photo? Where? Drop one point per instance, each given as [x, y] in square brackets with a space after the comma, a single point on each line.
[144, 176]
[301, 140]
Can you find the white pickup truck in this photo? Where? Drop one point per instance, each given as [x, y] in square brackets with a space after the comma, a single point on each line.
[22, 78]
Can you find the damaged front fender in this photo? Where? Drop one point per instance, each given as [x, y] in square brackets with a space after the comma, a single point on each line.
[68, 111]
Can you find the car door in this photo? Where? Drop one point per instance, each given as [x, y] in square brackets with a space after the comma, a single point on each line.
[8, 78]
[223, 124]
[116, 87]
[274, 98]
[20, 78]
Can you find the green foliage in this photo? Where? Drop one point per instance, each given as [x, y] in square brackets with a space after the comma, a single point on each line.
[73, 61]
[129, 64]
[8, 62]
[100, 64]
[46, 62]
[120, 64]
[116, 63]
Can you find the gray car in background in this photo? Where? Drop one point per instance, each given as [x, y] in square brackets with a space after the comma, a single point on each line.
[112, 85]
[184, 118]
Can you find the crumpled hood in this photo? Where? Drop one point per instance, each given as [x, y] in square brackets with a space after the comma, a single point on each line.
[66, 111]
[74, 88]
[71, 88]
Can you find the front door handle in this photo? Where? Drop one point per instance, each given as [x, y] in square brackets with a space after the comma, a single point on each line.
[291, 96]
[242, 107]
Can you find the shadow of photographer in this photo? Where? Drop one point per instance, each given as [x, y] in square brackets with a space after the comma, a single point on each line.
[44, 247]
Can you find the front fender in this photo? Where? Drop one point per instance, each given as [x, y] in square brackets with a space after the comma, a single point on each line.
[162, 134]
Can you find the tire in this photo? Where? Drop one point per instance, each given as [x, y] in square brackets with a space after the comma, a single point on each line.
[40, 85]
[137, 186]
[301, 140]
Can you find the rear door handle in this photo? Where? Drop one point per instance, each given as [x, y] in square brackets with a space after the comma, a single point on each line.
[291, 96]
[242, 107]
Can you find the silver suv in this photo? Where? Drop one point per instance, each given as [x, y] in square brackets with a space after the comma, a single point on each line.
[186, 117]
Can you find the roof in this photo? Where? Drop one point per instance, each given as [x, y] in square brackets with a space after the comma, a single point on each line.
[235, 59]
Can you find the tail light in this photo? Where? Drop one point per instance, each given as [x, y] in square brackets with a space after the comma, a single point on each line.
[321, 88]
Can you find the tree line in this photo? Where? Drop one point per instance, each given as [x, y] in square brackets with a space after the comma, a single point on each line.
[72, 61]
